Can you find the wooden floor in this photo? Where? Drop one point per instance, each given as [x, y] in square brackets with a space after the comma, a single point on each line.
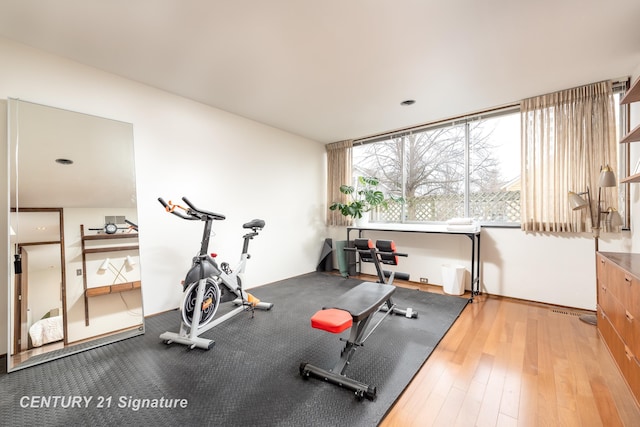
[507, 362]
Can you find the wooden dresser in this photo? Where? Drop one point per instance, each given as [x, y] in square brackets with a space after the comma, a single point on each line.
[618, 277]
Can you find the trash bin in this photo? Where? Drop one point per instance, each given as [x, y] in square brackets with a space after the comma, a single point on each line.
[343, 262]
[453, 279]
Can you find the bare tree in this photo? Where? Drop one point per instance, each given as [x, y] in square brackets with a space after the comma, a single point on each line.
[432, 162]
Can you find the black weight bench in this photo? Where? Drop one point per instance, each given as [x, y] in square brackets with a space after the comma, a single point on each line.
[355, 309]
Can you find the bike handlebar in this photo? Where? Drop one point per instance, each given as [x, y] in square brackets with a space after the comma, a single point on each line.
[213, 215]
[132, 225]
[192, 213]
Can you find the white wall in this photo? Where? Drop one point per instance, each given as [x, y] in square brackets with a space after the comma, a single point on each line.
[222, 162]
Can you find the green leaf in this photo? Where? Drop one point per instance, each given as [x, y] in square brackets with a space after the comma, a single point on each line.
[346, 189]
[375, 197]
[368, 181]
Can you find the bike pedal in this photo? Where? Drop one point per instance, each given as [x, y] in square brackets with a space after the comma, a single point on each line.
[252, 300]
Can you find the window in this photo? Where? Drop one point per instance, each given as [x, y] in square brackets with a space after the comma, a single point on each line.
[468, 167]
[464, 168]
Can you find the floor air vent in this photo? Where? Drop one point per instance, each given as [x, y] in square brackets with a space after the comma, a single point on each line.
[565, 312]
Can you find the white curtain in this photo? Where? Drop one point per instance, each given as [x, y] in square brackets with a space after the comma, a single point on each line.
[338, 173]
[567, 137]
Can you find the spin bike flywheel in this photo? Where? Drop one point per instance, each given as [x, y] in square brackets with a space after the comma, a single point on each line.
[210, 302]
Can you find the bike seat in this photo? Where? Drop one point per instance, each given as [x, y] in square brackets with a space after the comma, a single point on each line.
[255, 223]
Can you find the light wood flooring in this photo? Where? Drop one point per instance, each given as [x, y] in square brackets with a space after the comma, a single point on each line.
[508, 362]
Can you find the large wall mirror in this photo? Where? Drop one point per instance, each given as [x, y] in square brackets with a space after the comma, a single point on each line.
[73, 231]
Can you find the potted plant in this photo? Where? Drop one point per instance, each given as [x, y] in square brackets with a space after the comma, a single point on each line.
[362, 198]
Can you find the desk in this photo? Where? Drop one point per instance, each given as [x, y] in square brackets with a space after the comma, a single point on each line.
[432, 229]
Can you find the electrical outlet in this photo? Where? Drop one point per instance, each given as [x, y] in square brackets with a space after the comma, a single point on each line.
[424, 280]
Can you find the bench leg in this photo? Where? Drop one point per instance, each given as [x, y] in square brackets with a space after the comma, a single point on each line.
[336, 375]
[389, 306]
[360, 389]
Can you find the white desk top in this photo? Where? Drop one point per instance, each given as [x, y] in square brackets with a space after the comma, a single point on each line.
[420, 228]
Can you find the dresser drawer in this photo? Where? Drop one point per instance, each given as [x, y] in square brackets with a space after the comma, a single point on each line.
[605, 298]
[612, 279]
[611, 339]
[623, 355]
[602, 269]
[631, 371]
[632, 318]
[619, 282]
[617, 315]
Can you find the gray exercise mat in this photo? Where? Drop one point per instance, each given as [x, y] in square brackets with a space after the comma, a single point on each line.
[249, 378]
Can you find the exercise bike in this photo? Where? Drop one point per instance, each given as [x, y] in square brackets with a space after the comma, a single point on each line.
[207, 285]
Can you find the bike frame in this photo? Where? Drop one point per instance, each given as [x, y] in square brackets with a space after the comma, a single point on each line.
[203, 271]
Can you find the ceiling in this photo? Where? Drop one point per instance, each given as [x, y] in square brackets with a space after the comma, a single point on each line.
[335, 70]
[102, 172]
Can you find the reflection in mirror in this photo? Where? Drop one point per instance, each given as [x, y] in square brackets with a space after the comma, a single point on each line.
[75, 282]
[37, 290]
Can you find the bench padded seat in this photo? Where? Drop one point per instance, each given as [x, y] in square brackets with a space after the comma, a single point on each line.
[332, 320]
[364, 299]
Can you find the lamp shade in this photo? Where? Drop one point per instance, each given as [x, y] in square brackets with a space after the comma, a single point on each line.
[607, 177]
[615, 217]
[130, 261]
[576, 202]
[105, 265]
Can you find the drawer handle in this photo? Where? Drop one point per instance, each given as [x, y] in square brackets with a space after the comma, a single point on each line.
[627, 352]
[627, 279]
[628, 315]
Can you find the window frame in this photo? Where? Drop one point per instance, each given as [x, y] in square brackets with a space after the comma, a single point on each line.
[457, 121]
[623, 127]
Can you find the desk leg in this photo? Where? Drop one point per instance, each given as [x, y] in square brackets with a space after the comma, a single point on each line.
[478, 267]
[475, 290]
[475, 265]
